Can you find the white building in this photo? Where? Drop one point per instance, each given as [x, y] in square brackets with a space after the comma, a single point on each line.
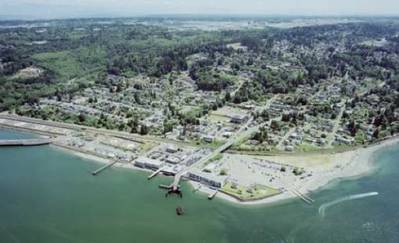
[173, 160]
[207, 179]
[209, 138]
[147, 163]
[172, 149]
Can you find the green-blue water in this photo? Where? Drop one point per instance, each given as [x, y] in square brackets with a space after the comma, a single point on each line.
[47, 195]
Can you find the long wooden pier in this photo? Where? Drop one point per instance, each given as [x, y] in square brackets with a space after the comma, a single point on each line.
[154, 174]
[302, 196]
[212, 194]
[25, 142]
[98, 171]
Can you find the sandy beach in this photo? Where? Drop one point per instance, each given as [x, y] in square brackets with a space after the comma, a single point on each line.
[324, 169]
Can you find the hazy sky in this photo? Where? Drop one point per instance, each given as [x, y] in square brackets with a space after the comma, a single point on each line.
[87, 8]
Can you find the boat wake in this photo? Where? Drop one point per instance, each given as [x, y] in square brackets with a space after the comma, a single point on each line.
[325, 206]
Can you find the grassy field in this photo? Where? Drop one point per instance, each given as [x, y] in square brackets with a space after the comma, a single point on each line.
[67, 65]
[218, 118]
[245, 194]
[63, 64]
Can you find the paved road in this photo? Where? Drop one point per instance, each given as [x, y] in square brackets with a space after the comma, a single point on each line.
[243, 131]
[129, 136]
[337, 121]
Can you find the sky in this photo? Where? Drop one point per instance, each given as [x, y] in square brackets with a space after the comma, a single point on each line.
[42, 9]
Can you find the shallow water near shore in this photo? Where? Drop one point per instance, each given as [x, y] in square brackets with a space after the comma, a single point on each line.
[48, 195]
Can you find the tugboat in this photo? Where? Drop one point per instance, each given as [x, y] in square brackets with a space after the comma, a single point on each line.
[179, 211]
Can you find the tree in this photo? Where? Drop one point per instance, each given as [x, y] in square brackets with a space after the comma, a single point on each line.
[376, 133]
[227, 97]
[143, 130]
[167, 126]
[261, 135]
[133, 124]
[352, 128]
[82, 118]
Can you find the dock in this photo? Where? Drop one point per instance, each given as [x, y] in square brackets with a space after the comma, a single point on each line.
[154, 174]
[98, 171]
[164, 187]
[25, 142]
[302, 196]
[212, 194]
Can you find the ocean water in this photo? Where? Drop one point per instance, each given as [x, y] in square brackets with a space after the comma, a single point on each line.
[48, 195]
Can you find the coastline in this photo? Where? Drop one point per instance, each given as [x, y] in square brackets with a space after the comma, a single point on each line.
[342, 166]
[345, 166]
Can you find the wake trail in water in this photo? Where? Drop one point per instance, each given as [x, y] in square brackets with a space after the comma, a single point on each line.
[325, 206]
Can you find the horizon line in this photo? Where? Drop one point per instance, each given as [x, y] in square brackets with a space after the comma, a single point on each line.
[200, 15]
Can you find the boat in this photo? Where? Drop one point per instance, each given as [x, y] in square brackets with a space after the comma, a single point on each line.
[179, 211]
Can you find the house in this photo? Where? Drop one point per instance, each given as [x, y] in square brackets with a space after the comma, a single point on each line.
[238, 119]
[227, 134]
[289, 148]
[147, 163]
[209, 168]
[207, 179]
[173, 160]
[172, 149]
[209, 139]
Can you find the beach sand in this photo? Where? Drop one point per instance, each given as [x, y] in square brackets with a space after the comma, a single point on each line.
[325, 168]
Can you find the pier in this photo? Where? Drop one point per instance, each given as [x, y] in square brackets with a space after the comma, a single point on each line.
[98, 171]
[302, 196]
[154, 174]
[212, 194]
[25, 142]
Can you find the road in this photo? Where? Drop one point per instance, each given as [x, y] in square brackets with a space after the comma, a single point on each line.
[80, 128]
[286, 136]
[337, 121]
[243, 131]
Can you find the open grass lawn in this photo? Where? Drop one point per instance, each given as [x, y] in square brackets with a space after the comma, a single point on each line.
[62, 63]
[245, 193]
[67, 65]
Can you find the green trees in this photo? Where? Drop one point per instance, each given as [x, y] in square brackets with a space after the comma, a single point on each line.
[261, 135]
[133, 124]
[167, 126]
[144, 130]
[207, 79]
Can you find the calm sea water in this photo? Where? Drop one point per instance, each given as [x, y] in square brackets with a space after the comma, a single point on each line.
[47, 195]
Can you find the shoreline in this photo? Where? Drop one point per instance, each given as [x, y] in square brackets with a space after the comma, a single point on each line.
[357, 163]
[347, 165]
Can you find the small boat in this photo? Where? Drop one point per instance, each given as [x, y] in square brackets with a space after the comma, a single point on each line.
[179, 211]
